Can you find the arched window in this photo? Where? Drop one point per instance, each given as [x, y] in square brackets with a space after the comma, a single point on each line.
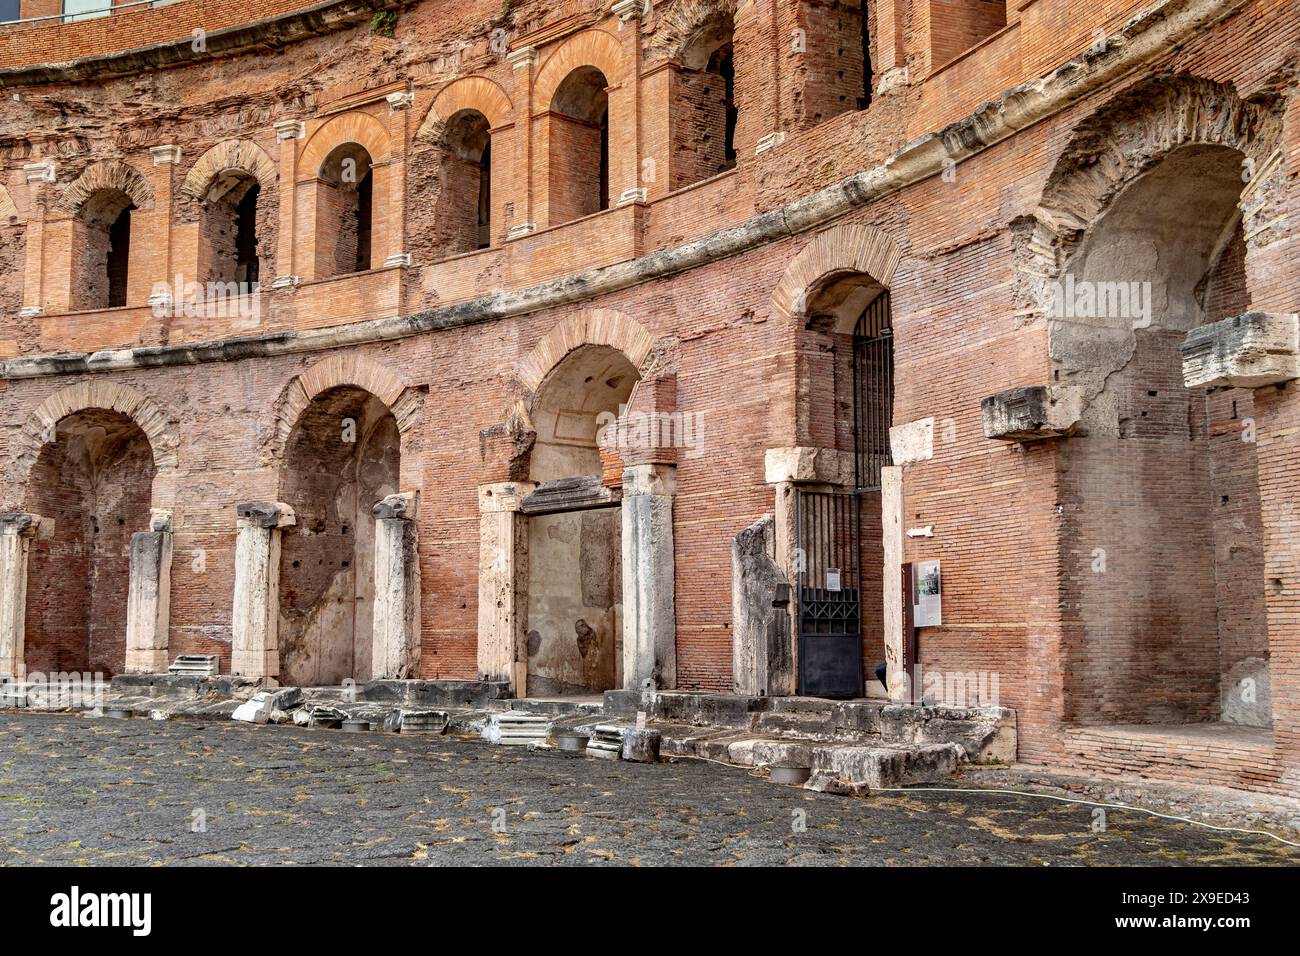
[101, 251]
[343, 211]
[579, 146]
[229, 230]
[706, 105]
[464, 219]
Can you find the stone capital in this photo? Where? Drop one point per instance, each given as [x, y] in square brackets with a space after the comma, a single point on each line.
[19, 523]
[808, 466]
[289, 129]
[404, 505]
[504, 496]
[160, 519]
[265, 514]
[639, 480]
[522, 58]
[1246, 351]
[168, 155]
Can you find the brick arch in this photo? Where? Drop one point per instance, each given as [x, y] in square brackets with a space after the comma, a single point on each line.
[596, 48]
[677, 27]
[403, 400]
[589, 327]
[229, 154]
[164, 441]
[476, 93]
[836, 251]
[111, 174]
[7, 208]
[1126, 138]
[350, 127]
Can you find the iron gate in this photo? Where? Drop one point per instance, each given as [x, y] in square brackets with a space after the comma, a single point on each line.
[830, 594]
[873, 393]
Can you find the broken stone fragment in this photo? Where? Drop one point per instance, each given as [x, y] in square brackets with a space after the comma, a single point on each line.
[254, 711]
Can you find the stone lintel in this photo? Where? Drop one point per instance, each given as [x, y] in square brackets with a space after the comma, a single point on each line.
[266, 514]
[503, 496]
[404, 505]
[1032, 412]
[639, 480]
[570, 494]
[19, 522]
[1246, 351]
[912, 442]
[808, 466]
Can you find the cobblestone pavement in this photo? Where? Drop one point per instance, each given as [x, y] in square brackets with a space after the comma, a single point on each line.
[81, 791]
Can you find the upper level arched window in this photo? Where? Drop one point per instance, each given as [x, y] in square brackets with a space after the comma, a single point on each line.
[578, 146]
[101, 250]
[229, 231]
[464, 222]
[705, 106]
[344, 211]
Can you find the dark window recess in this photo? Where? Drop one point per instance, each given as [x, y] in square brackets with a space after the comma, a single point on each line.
[364, 203]
[865, 101]
[485, 197]
[604, 160]
[246, 262]
[9, 11]
[722, 63]
[119, 254]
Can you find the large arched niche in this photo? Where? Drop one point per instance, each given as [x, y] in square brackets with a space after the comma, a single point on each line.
[1145, 232]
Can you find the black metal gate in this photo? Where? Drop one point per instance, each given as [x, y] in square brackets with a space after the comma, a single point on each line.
[830, 594]
[829, 524]
[873, 393]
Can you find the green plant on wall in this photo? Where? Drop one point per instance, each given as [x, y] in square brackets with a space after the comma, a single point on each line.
[384, 23]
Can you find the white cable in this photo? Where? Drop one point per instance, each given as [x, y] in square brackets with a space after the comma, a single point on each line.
[1090, 803]
[1026, 793]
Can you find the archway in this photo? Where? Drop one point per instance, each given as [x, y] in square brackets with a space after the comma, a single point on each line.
[578, 137]
[1162, 544]
[705, 103]
[464, 222]
[92, 484]
[344, 211]
[575, 592]
[342, 456]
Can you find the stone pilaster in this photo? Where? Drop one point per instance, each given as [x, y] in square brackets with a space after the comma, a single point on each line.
[649, 578]
[503, 584]
[17, 529]
[762, 640]
[255, 649]
[395, 653]
[148, 601]
[891, 507]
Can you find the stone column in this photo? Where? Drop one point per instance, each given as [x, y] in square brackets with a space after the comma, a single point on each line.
[148, 600]
[503, 584]
[16, 531]
[255, 649]
[891, 507]
[395, 652]
[649, 577]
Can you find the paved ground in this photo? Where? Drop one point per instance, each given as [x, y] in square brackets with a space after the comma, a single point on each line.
[82, 791]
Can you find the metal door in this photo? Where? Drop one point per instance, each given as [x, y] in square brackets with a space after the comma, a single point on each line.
[830, 595]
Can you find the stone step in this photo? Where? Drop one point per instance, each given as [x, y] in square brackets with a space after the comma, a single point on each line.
[796, 724]
[802, 705]
[847, 767]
